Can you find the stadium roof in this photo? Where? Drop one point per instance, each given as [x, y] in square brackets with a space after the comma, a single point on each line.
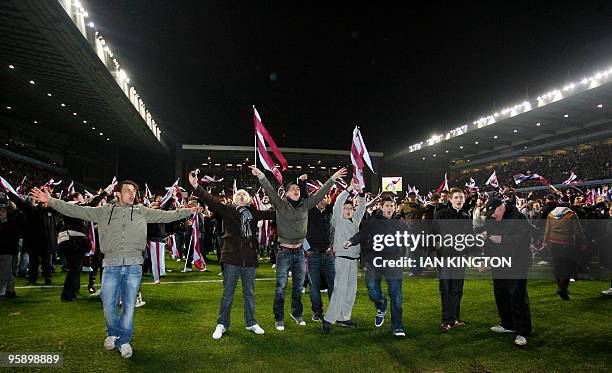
[580, 112]
[54, 78]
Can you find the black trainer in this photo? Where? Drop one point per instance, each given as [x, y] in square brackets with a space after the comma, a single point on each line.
[347, 323]
[326, 327]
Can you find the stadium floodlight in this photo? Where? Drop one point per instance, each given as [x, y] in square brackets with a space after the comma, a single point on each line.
[35, 122]
[93, 128]
[49, 94]
[11, 67]
[495, 137]
[75, 114]
[566, 115]
[90, 24]
[538, 124]
[9, 108]
[461, 147]
[600, 106]
[446, 151]
[108, 139]
[32, 82]
[515, 131]
[63, 105]
[570, 88]
[435, 155]
[476, 142]
[423, 158]
[101, 134]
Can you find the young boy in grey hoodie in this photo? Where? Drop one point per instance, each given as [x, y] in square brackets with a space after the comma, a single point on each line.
[345, 221]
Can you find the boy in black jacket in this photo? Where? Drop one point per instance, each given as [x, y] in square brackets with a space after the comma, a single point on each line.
[377, 260]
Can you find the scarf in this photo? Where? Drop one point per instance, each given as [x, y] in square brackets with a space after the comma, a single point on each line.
[245, 221]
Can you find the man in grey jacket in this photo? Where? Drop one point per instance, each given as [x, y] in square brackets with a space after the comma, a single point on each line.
[345, 221]
[122, 230]
[292, 224]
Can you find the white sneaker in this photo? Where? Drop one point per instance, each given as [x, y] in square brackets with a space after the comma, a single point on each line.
[186, 269]
[109, 342]
[279, 325]
[501, 329]
[324, 291]
[219, 330]
[520, 340]
[273, 265]
[126, 350]
[542, 263]
[607, 292]
[139, 301]
[87, 269]
[256, 329]
[178, 259]
[220, 274]
[572, 280]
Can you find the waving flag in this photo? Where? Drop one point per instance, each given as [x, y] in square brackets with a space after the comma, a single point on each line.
[471, 184]
[444, 185]
[6, 185]
[492, 180]
[262, 139]
[21, 187]
[519, 178]
[340, 184]
[70, 189]
[169, 193]
[313, 186]
[198, 258]
[234, 187]
[571, 179]
[210, 179]
[52, 183]
[146, 198]
[359, 154]
[87, 194]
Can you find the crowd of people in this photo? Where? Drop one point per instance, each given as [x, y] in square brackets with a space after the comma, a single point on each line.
[588, 163]
[321, 236]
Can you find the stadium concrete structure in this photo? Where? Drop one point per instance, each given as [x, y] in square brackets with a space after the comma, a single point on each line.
[573, 115]
[65, 93]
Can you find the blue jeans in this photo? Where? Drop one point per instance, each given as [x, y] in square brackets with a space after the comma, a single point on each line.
[124, 281]
[320, 264]
[231, 273]
[289, 260]
[394, 283]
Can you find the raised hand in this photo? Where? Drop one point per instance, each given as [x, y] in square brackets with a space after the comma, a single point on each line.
[347, 244]
[303, 177]
[42, 196]
[356, 186]
[340, 173]
[255, 171]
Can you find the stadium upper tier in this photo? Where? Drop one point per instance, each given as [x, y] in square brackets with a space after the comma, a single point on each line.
[577, 113]
[58, 74]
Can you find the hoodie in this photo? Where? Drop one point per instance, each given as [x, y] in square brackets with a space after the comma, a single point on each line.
[563, 227]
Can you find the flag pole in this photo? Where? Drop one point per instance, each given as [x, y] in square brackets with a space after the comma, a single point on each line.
[255, 138]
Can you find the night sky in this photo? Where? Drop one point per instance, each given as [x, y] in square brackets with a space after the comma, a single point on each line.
[316, 71]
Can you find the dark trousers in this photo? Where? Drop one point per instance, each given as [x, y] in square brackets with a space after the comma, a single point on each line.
[513, 305]
[394, 284]
[74, 254]
[96, 265]
[40, 257]
[320, 264]
[289, 260]
[451, 291]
